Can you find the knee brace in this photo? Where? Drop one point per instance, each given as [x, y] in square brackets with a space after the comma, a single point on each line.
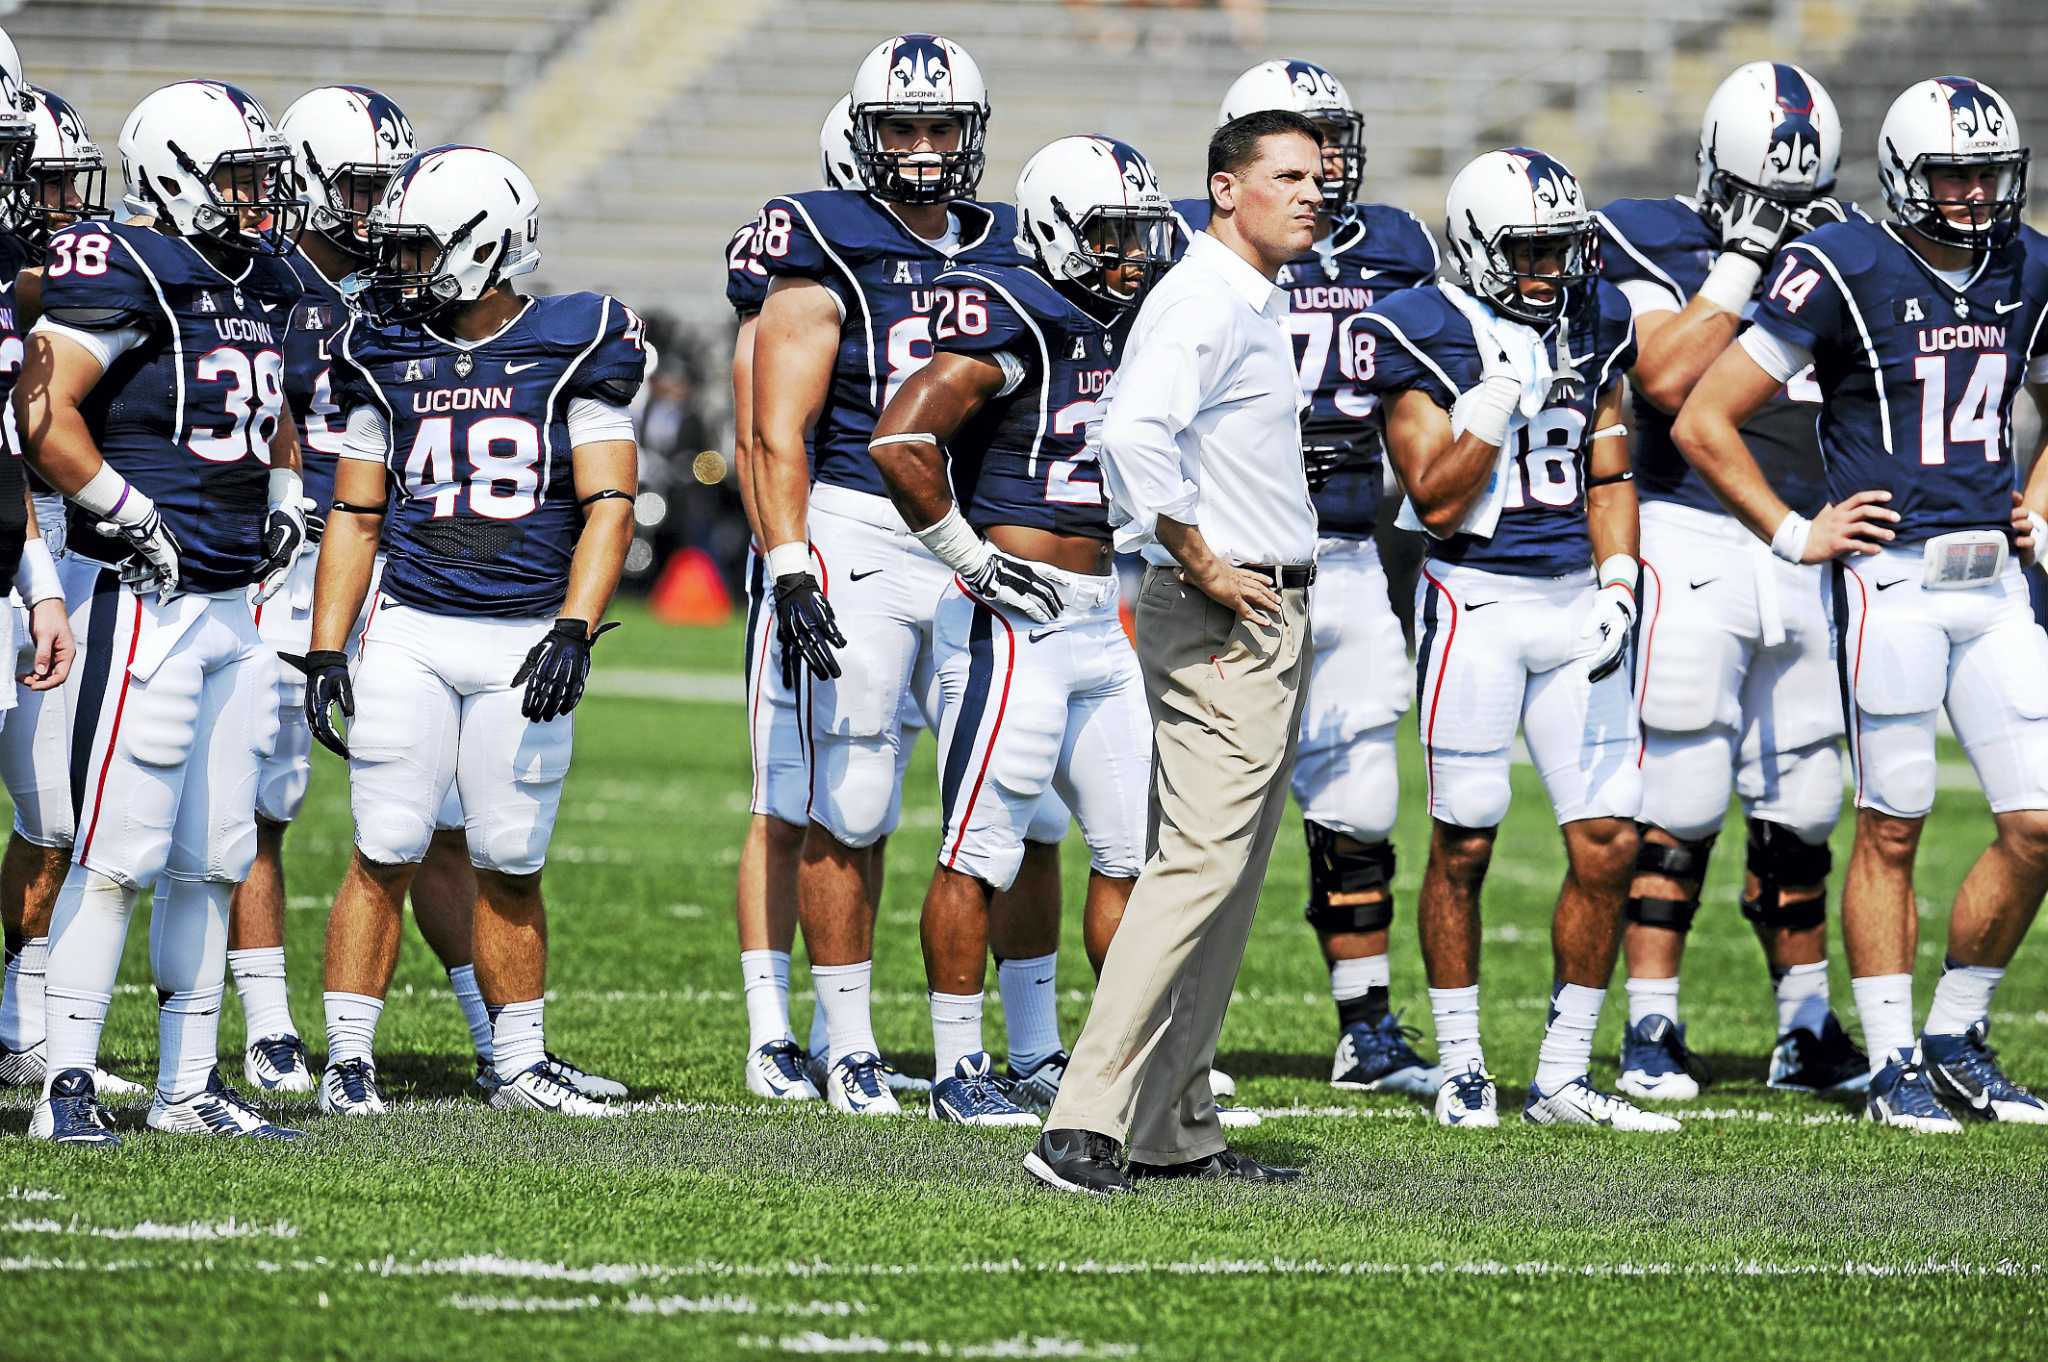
[1340, 880]
[1780, 859]
[1686, 862]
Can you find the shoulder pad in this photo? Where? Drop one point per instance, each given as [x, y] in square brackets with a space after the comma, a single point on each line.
[1002, 222]
[824, 224]
[1852, 247]
[1421, 314]
[617, 364]
[1193, 212]
[1015, 301]
[109, 268]
[1615, 332]
[565, 322]
[1654, 225]
[1399, 234]
[746, 283]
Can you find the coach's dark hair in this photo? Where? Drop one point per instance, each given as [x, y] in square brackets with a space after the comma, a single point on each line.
[1235, 145]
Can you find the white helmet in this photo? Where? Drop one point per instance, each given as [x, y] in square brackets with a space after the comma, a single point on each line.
[68, 172]
[835, 147]
[201, 155]
[1089, 204]
[1307, 89]
[17, 134]
[1770, 129]
[347, 142]
[475, 212]
[1520, 195]
[1951, 121]
[919, 75]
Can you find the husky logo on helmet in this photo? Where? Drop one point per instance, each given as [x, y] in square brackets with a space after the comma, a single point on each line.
[1974, 110]
[1795, 142]
[1139, 179]
[1315, 85]
[920, 69]
[66, 117]
[394, 129]
[252, 112]
[1555, 189]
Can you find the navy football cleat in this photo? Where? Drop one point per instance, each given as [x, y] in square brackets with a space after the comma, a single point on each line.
[278, 1064]
[1902, 1097]
[1656, 1064]
[973, 1096]
[1039, 1086]
[71, 1114]
[1964, 1069]
[1823, 1064]
[1379, 1057]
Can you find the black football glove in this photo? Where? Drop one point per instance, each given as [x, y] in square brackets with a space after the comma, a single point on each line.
[1018, 584]
[327, 685]
[1818, 213]
[1321, 460]
[556, 668]
[805, 629]
[1754, 227]
[284, 535]
[153, 560]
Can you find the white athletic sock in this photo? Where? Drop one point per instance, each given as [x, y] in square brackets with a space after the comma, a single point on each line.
[1355, 978]
[518, 1038]
[1803, 998]
[1030, 991]
[956, 1029]
[1457, 1028]
[477, 1017]
[1885, 1003]
[259, 979]
[1567, 1049]
[1962, 998]
[21, 1004]
[820, 1043]
[188, 953]
[843, 998]
[766, 977]
[1652, 998]
[352, 1026]
[88, 927]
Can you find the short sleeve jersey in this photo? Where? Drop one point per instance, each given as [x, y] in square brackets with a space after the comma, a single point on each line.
[187, 416]
[1419, 340]
[483, 518]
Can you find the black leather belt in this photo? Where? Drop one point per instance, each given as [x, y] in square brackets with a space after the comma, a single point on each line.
[1286, 576]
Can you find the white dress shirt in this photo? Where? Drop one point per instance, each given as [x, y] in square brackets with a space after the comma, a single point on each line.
[1202, 421]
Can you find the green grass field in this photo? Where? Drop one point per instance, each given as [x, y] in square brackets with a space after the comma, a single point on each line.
[709, 1225]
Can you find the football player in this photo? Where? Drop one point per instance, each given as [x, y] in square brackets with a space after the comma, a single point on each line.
[152, 397]
[1038, 686]
[1503, 422]
[1734, 678]
[846, 320]
[1346, 778]
[1920, 332]
[499, 424]
[66, 181]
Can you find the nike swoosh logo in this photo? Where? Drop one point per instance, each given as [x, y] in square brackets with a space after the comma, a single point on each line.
[1703, 582]
[851, 576]
[1479, 605]
[848, 988]
[520, 368]
[1036, 636]
[1046, 980]
[2002, 308]
[269, 308]
[1887, 586]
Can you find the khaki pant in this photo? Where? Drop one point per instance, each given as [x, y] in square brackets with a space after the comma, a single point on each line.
[1226, 701]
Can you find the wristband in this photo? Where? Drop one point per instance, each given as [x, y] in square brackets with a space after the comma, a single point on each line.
[1789, 543]
[2040, 537]
[1619, 569]
[785, 559]
[953, 542]
[1731, 281]
[107, 495]
[36, 578]
[1491, 408]
[287, 488]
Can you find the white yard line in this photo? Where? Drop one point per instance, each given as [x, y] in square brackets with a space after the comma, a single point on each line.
[198, 1231]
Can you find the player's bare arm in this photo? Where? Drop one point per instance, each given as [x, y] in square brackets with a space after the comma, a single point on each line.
[348, 552]
[607, 480]
[49, 623]
[796, 340]
[1611, 519]
[930, 407]
[1674, 349]
[1709, 433]
[56, 375]
[743, 421]
[1443, 473]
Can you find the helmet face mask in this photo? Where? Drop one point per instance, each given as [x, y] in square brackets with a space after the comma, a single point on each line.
[353, 190]
[17, 184]
[250, 208]
[1564, 263]
[410, 279]
[1960, 220]
[347, 141]
[905, 94]
[65, 192]
[1343, 136]
[1123, 251]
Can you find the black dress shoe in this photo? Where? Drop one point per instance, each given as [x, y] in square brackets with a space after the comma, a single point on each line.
[1078, 1161]
[1228, 1164]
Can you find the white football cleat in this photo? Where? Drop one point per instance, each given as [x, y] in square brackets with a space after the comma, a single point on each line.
[858, 1086]
[26, 1068]
[215, 1109]
[1038, 1088]
[1579, 1103]
[1236, 1118]
[777, 1072]
[1221, 1084]
[278, 1064]
[540, 1088]
[1468, 1100]
[583, 1081]
[350, 1089]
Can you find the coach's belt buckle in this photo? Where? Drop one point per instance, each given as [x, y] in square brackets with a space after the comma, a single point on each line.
[1964, 559]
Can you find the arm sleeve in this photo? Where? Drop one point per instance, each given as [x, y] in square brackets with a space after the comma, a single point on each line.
[367, 438]
[592, 421]
[1781, 358]
[104, 346]
[1155, 396]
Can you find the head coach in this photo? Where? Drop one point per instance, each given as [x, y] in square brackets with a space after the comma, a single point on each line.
[1200, 444]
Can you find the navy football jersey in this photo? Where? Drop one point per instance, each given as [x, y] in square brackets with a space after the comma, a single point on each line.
[1419, 339]
[483, 517]
[1667, 243]
[308, 388]
[14, 255]
[1918, 373]
[746, 283]
[883, 275]
[1375, 250]
[187, 416]
[1026, 451]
